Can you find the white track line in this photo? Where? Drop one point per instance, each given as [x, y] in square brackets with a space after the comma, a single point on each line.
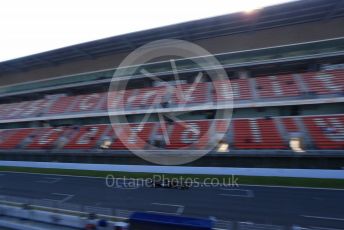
[322, 228]
[232, 195]
[67, 197]
[290, 187]
[324, 218]
[248, 193]
[49, 180]
[180, 208]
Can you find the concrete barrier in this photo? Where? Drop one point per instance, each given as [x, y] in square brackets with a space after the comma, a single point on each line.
[38, 216]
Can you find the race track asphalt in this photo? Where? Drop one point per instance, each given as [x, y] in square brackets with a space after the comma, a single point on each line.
[306, 207]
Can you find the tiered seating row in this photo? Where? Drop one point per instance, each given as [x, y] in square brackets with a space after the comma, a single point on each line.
[274, 86]
[326, 132]
[324, 82]
[327, 82]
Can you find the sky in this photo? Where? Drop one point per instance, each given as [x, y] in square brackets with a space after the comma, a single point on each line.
[29, 27]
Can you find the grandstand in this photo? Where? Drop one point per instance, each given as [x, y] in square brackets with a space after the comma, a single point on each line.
[78, 153]
[288, 88]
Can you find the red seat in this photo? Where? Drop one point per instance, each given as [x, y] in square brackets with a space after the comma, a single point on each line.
[277, 86]
[87, 137]
[46, 138]
[290, 124]
[117, 100]
[225, 90]
[87, 102]
[190, 93]
[148, 97]
[15, 137]
[133, 136]
[61, 105]
[189, 134]
[257, 134]
[327, 132]
[325, 82]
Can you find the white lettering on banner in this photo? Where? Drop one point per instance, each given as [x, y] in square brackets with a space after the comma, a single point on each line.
[223, 90]
[88, 101]
[146, 96]
[236, 91]
[36, 106]
[46, 137]
[183, 95]
[31, 107]
[191, 133]
[85, 138]
[255, 131]
[328, 82]
[133, 133]
[189, 94]
[16, 109]
[334, 130]
[116, 98]
[276, 87]
[131, 98]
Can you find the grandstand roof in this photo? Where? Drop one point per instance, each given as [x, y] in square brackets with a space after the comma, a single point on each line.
[295, 12]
